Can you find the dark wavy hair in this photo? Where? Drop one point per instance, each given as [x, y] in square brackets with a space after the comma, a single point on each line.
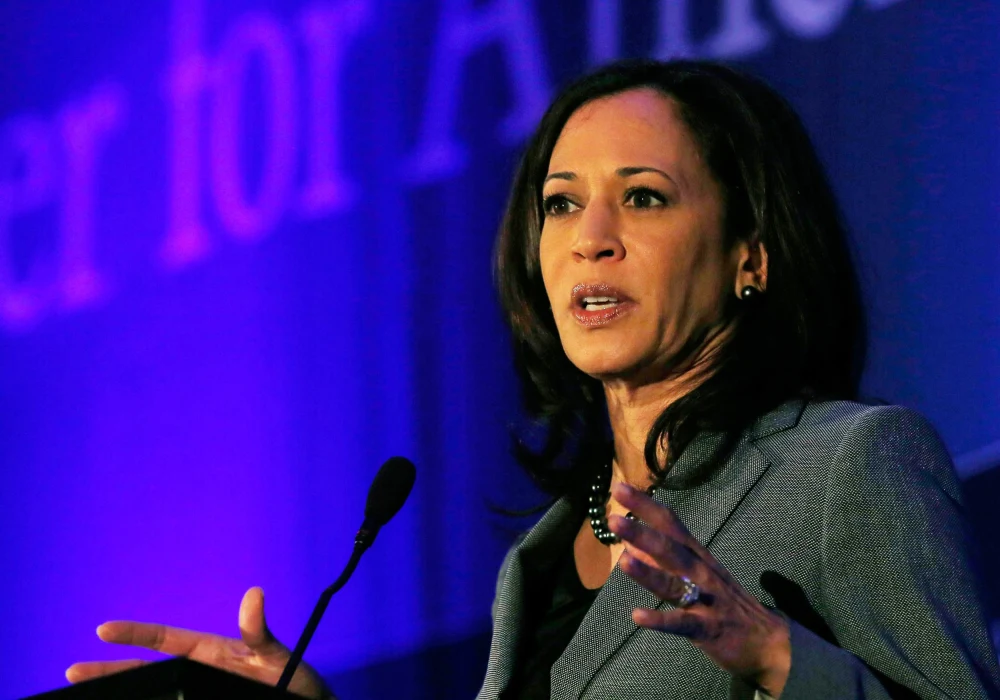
[805, 336]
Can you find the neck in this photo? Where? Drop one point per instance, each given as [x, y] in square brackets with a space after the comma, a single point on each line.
[632, 412]
[633, 407]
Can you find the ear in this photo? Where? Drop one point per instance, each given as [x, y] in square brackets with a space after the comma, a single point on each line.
[751, 269]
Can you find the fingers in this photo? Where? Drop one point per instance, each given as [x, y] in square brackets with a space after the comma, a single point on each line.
[663, 585]
[725, 621]
[680, 622]
[656, 516]
[169, 640]
[253, 625]
[661, 547]
[661, 553]
[77, 673]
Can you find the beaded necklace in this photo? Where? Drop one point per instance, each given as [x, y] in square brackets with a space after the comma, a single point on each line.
[597, 502]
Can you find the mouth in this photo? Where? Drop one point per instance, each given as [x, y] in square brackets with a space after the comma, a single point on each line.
[599, 304]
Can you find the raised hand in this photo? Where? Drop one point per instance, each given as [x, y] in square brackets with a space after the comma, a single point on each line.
[726, 622]
[257, 654]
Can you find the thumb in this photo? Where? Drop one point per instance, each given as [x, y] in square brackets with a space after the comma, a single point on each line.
[253, 626]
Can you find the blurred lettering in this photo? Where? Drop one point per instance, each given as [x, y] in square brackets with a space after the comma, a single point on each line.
[207, 91]
[84, 128]
[675, 31]
[28, 182]
[326, 31]
[811, 19]
[187, 235]
[741, 32]
[252, 216]
[605, 21]
[255, 124]
[53, 163]
[462, 30]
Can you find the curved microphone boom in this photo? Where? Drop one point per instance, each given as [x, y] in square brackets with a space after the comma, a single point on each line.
[386, 496]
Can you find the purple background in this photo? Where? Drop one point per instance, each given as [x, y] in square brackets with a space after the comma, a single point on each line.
[244, 258]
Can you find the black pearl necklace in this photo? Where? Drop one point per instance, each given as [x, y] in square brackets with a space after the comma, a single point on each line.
[597, 503]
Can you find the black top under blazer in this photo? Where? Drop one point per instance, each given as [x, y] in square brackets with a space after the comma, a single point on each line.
[845, 517]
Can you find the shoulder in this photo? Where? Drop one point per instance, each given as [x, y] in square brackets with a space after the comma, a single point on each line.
[847, 440]
[822, 426]
[833, 421]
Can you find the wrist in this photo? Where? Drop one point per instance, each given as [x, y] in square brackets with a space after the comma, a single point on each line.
[777, 660]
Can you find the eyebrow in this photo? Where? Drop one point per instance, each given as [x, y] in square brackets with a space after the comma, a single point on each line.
[563, 175]
[627, 171]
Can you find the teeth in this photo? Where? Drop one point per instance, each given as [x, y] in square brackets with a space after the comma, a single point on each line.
[599, 307]
[600, 300]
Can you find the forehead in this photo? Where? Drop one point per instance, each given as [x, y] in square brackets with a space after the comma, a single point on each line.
[637, 127]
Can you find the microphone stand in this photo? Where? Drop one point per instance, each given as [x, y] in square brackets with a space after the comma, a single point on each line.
[362, 541]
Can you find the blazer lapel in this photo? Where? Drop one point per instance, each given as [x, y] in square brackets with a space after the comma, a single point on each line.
[703, 509]
[556, 528]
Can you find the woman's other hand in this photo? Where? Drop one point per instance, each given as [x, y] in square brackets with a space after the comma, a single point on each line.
[257, 654]
[727, 623]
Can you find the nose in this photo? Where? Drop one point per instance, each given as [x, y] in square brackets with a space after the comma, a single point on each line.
[597, 234]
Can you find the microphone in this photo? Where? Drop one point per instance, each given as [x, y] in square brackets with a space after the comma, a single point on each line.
[386, 496]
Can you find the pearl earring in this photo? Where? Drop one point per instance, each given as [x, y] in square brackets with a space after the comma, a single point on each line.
[749, 292]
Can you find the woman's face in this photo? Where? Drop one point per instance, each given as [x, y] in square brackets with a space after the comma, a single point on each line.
[632, 248]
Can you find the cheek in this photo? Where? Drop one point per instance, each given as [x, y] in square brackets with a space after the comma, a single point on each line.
[689, 277]
[547, 264]
[708, 278]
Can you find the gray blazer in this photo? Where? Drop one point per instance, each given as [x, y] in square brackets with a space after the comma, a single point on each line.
[846, 518]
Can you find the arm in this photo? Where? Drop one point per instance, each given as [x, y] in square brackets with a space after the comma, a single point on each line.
[897, 585]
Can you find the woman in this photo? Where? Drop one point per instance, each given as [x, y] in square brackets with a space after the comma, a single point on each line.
[689, 333]
[673, 265]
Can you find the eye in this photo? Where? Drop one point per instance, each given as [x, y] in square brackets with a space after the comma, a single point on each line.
[557, 205]
[644, 198]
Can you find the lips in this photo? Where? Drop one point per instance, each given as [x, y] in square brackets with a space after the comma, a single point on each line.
[599, 304]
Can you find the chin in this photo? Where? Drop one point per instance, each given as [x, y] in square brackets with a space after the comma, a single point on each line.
[602, 364]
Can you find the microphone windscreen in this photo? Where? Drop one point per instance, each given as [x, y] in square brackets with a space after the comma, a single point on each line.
[389, 490]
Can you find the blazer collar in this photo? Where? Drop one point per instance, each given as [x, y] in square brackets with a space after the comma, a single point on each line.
[781, 418]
